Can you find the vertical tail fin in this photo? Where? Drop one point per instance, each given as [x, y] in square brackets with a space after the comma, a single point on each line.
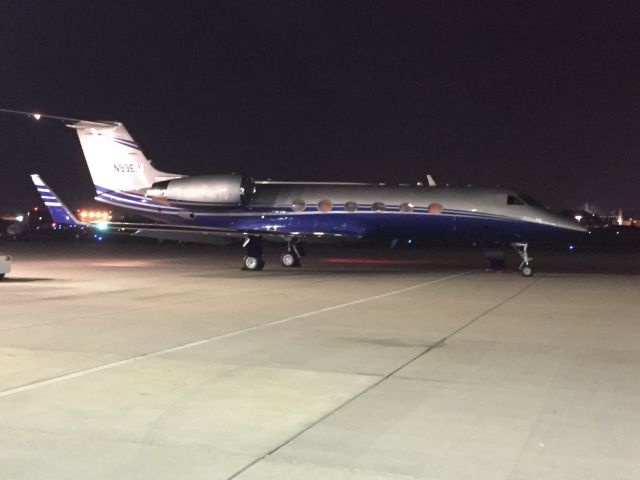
[58, 210]
[115, 160]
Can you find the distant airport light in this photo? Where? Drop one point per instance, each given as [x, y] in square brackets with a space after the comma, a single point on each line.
[95, 214]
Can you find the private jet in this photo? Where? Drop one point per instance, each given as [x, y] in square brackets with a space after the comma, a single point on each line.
[198, 208]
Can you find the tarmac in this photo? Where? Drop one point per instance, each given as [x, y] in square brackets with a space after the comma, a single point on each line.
[164, 362]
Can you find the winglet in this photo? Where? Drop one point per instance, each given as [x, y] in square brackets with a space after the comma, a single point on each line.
[58, 210]
[430, 181]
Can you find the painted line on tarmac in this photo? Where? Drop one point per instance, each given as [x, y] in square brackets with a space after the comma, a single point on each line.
[204, 341]
[382, 380]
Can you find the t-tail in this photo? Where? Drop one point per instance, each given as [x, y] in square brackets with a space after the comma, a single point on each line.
[120, 171]
[116, 161]
[60, 213]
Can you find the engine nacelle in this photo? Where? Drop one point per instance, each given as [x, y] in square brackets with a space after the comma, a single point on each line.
[225, 189]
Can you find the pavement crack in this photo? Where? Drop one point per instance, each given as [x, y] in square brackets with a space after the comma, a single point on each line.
[385, 377]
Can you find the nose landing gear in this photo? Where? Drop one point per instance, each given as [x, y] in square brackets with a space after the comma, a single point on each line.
[525, 267]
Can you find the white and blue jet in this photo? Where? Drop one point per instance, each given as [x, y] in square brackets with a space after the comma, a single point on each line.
[198, 208]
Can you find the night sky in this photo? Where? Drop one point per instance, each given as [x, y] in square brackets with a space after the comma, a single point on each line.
[541, 98]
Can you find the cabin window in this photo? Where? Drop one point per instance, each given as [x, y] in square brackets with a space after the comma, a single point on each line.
[406, 207]
[513, 200]
[298, 205]
[378, 206]
[434, 208]
[351, 206]
[325, 205]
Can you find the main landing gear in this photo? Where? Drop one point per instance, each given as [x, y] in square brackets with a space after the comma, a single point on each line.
[291, 258]
[525, 267]
[253, 260]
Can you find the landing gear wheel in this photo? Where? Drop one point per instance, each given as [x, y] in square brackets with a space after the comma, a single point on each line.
[252, 261]
[289, 259]
[526, 271]
[252, 264]
[522, 249]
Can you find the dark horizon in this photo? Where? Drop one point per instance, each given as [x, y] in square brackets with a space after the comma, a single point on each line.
[542, 100]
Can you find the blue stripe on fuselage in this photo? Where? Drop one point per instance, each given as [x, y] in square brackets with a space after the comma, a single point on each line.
[362, 223]
[373, 225]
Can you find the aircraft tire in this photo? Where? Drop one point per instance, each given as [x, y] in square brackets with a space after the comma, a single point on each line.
[526, 271]
[1, 276]
[289, 259]
[252, 264]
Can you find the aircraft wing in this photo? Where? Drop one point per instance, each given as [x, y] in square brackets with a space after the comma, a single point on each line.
[200, 234]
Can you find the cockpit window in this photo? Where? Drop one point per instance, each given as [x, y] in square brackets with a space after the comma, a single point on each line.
[513, 200]
[522, 199]
[529, 200]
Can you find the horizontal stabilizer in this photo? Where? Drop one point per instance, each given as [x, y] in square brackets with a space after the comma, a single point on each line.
[66, 120]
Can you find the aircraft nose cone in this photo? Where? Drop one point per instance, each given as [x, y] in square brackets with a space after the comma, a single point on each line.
[568, 224]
